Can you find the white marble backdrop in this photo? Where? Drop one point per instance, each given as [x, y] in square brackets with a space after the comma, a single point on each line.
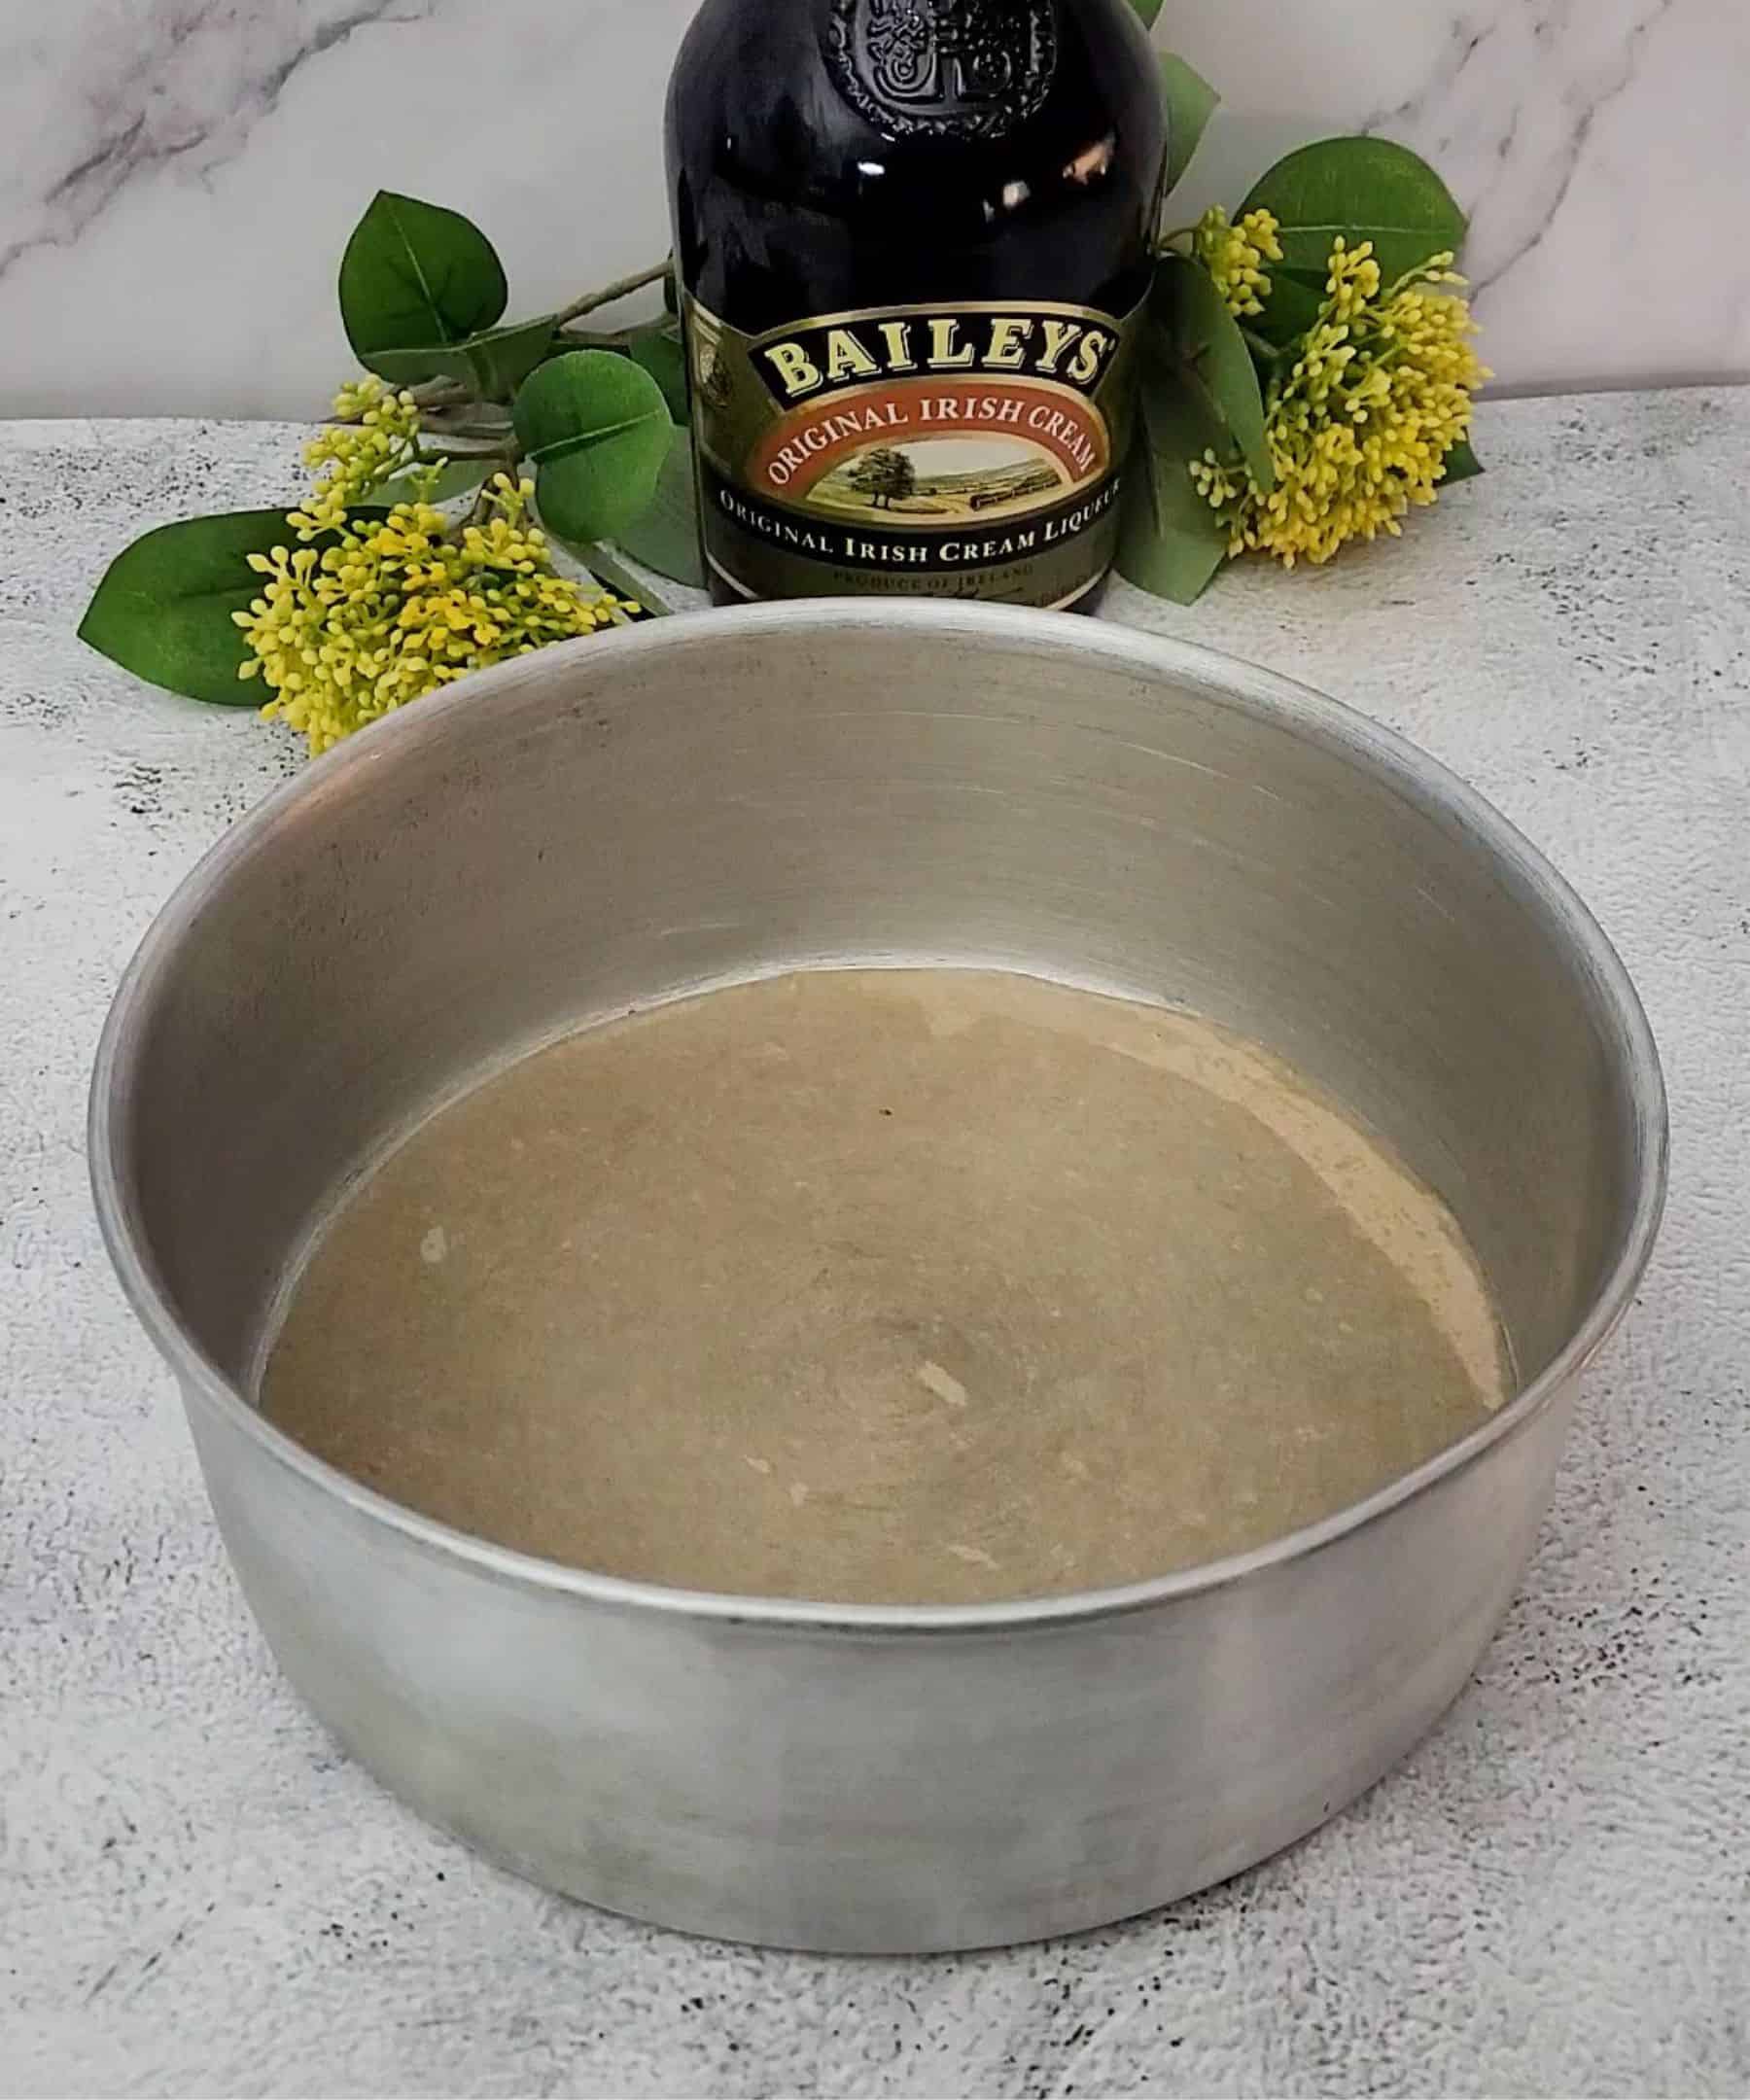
[179, 176]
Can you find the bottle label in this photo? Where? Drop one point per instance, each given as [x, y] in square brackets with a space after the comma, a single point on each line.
[963, 452]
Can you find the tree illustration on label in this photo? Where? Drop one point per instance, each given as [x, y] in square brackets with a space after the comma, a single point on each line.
[884, 477]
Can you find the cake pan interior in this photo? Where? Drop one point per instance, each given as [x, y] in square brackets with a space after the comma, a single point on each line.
[611, 826]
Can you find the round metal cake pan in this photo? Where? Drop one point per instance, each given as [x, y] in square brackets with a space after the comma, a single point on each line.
[709, 799]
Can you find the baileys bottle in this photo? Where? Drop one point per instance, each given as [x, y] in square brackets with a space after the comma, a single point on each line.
[913, 243]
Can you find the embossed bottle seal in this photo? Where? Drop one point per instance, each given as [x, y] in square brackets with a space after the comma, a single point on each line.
[944, 68]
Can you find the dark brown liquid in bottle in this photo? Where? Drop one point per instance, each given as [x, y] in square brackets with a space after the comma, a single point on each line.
[940, 166]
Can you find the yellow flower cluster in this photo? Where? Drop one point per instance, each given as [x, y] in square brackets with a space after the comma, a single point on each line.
[1360, 425]
[1235, 255]
[378, 434]
[395, 606]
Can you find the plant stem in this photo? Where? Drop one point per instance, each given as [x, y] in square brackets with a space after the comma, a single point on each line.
[463, 455]
[598, 339]
[474, 432]
[621, 289]
[442, 394]
[506, 462]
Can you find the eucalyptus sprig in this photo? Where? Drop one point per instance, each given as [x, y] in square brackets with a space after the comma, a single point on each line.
[371, 591]
[1308, 369]
[600, 416]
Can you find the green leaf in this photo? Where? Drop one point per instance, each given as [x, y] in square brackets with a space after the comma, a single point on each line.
[1149, 11]
[1365, 189]
[494, 362]
[1190, 104]
[666, 537]
[163, 609]
[596, 430]
[1209, 350]
[1462, 465]
[660, 350]
[1170, 542]
[458, 479]
[416, 278]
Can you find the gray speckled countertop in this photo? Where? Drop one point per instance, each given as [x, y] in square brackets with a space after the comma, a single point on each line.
[197, 1893]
